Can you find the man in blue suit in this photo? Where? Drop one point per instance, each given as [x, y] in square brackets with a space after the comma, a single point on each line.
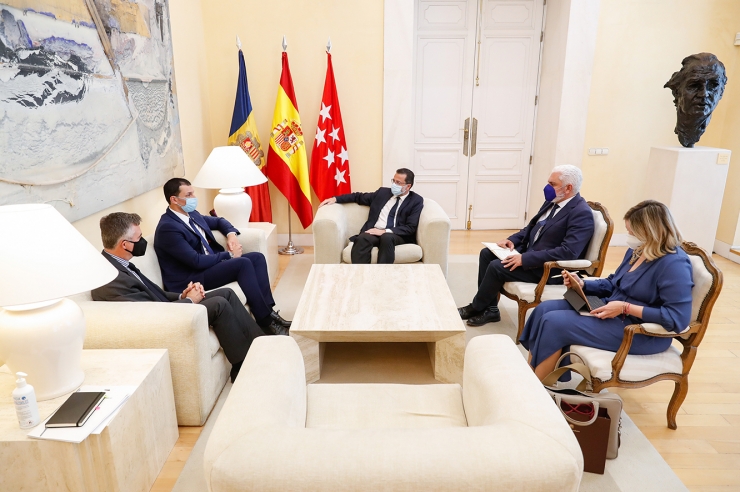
[392, 220]
[188, 252]
[561, 230]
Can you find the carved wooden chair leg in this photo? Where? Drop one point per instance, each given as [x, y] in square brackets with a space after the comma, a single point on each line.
[679, 394]
[520, 322]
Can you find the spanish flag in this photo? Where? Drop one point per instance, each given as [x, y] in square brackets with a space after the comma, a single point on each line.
[287, 166]
[244, 134]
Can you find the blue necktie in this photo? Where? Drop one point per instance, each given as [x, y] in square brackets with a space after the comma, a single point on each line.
[202, 239]
[542, 224]
[391, 222]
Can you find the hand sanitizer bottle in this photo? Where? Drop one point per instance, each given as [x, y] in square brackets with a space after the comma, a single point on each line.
[26, 407]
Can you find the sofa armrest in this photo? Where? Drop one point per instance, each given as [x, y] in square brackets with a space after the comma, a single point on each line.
[329, 234]
[433, 234]
[270, 392]
[180, 328]
[252, 240]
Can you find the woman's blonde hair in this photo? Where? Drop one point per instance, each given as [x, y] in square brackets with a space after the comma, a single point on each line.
[652, 223]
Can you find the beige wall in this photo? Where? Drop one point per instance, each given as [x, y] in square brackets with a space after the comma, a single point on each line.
[193, 103]
[639, 45]
[356, 30]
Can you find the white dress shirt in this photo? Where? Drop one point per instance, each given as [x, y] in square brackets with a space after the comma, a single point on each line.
[383, 217]
[186, 219]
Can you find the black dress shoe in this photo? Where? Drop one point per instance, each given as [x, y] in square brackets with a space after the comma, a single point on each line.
[275, 315]
[467, 312]
[276, 328]
[490, 315]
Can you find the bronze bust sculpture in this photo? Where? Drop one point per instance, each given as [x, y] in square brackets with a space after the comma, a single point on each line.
[696, 88]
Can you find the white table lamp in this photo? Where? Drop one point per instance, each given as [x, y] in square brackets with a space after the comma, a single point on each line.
[229, 170]
[43, 259]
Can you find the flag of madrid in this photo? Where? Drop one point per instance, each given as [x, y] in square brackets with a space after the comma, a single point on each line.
[329, 158]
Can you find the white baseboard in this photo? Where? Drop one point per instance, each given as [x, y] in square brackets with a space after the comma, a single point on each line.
[618, 240]
[298, 239]
[723, 249]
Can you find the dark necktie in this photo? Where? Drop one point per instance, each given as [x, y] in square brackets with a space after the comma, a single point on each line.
[391, 222]
[202, 239]
[540, 225]
[154, 288]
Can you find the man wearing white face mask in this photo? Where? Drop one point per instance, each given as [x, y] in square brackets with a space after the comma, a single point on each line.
[561, 230]
[393, 218]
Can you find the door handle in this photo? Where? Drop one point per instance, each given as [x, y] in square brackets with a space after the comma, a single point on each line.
[474, 138]
[466, 132]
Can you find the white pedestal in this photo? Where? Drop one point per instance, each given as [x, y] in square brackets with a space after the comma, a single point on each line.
[691, 182]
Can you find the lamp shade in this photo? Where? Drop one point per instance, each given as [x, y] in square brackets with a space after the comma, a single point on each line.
[43, 257]
[228, 167]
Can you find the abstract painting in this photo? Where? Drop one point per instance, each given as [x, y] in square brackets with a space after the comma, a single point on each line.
[88, 108]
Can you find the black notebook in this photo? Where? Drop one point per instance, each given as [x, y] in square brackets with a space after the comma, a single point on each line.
[578, 300]
[76, 410]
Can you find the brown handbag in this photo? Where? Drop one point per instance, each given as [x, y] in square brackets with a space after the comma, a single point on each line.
[610, 402]
[590, 424]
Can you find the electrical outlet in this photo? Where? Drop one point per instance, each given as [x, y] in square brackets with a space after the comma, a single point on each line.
[598, 151]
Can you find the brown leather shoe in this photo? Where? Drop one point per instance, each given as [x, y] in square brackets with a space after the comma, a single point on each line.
[490, 315]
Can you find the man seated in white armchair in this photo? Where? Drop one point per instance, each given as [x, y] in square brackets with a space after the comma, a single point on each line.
[393, 218]
[231, 322]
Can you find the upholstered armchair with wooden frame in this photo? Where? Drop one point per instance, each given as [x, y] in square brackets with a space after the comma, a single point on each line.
[529, 295]
[610, 369]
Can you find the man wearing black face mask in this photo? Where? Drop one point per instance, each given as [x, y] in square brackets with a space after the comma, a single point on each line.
[233, 325]
[561, 230]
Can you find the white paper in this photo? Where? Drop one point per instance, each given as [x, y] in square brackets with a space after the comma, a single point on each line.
[103, 414]
[501, 253]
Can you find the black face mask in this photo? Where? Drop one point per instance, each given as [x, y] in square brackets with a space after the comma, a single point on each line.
[139, 247]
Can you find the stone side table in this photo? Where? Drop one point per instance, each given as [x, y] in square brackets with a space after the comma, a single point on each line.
[126, 456]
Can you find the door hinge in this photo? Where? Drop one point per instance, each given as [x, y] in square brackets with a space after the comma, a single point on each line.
[544, 3]
[525, 216]
[536, 98]
[530, 160]
[542, 36]
[469, 224]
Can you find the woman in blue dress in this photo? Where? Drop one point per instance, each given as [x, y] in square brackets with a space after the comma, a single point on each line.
[652, 285]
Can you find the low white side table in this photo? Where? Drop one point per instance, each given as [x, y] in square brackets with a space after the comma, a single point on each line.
[129, 453]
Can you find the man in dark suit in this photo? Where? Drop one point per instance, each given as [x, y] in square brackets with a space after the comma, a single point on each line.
[393, 218]
[234, 327]
[188, 252]
[561, 230]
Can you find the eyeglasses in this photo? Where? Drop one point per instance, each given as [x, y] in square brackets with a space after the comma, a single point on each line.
[393, 181]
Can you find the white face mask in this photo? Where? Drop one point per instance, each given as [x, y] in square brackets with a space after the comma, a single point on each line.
[633, 242]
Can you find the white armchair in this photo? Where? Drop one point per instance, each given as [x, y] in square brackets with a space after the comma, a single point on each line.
[333, 225]
[500, 431]
[198, 365]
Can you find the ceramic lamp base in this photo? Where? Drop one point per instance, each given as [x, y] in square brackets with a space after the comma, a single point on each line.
[234, 205]
[44, 341]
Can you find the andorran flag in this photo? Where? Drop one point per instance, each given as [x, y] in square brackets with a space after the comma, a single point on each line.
[287, 166]
[244, 134]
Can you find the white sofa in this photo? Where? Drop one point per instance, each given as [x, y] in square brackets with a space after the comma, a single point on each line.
[333, 225]
[500, 431]
[198, 365]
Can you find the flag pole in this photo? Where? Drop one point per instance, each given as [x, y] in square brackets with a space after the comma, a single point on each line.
[290, 249]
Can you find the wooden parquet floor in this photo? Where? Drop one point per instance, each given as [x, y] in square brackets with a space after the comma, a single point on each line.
[705, 449]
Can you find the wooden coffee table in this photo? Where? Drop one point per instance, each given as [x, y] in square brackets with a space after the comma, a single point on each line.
[380, 303]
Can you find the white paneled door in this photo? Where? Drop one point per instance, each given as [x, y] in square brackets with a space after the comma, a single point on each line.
[475, 75]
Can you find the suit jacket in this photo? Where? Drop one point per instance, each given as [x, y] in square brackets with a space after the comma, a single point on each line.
[180, 250]
[663, 286]
[564, 237]
[126, 287]
[407, 215]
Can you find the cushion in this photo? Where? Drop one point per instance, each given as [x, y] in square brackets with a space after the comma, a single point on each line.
[600, 229]
[525, 291]
[636, 367]
[405, 253]
[702, 283]
[384, 406]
